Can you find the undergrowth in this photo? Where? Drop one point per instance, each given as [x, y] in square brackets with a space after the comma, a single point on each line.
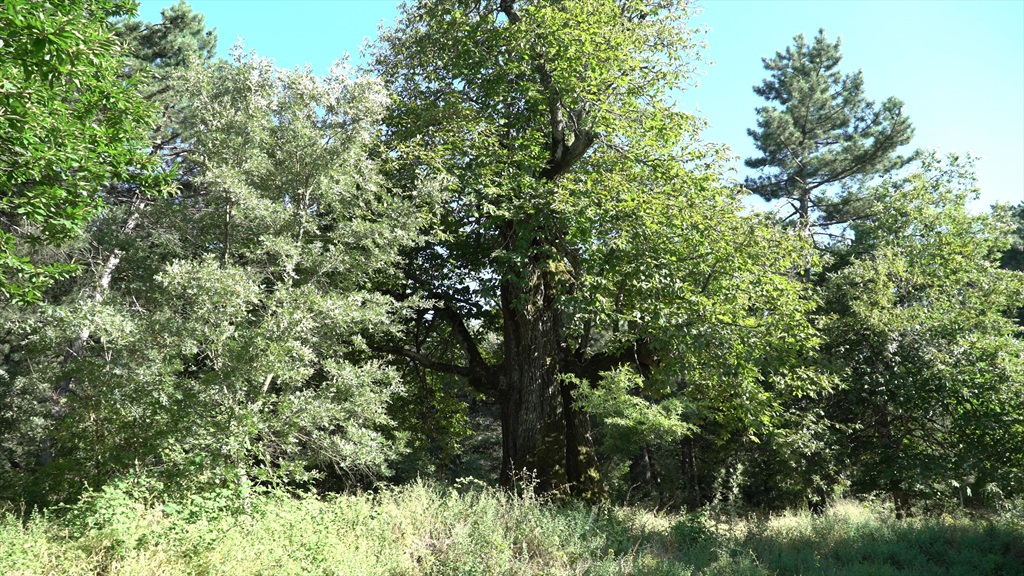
[471, 529]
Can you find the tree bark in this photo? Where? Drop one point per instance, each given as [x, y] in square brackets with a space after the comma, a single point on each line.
[643, 477]
[580, 453]
[532, 415]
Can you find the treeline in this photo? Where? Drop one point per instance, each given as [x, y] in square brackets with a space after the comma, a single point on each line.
[498, 250]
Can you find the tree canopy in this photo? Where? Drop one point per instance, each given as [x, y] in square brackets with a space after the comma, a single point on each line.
[71, 125]
[920, 328]
[581, 231]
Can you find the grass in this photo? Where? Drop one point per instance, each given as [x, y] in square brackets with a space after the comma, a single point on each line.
[473, 530]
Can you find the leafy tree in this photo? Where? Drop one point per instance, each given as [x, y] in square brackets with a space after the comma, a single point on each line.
[919, 331]
[119, 234]
[71, 125]
[820, 131]
[581, 256]
[230, 344]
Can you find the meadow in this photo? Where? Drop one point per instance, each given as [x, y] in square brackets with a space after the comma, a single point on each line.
[470, 529]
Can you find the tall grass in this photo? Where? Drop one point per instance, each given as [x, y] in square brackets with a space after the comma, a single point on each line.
[470, 529]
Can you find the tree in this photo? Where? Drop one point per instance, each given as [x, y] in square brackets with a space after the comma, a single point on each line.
[229, 345]
[581, 253]
[918, 327]
[71, 126]
[152, 57]
[1013, 258]
[820, 132]
[180, 38]
[157, 51]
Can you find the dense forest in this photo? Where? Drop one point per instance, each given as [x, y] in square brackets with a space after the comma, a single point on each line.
[498, 251]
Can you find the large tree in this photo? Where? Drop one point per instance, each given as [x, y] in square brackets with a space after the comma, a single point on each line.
[580, 252]
[819, 131]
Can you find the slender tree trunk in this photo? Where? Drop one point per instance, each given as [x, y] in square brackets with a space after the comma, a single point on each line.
[805, 226]
[691, 473]
[74, 350]
[893, 484]
[643, 477]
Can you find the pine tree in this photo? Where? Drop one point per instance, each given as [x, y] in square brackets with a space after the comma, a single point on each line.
[821, 132]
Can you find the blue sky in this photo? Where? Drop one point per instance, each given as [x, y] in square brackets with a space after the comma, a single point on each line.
[957, 65]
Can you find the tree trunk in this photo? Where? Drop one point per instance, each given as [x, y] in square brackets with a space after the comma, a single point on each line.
[75, 347]
[532, 414]
[580, 453]
[893, 483]
[805, 226]
[643, 477]
[545, 438]
[691, 473]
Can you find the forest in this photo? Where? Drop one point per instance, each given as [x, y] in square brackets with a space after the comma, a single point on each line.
[489, 304]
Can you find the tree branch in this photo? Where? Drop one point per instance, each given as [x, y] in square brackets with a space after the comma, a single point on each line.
[562, 155]
[465, 338]
[425, 361]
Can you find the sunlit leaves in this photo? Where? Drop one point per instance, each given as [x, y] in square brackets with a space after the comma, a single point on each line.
[920, 331]
[636, 242]
[70, 126]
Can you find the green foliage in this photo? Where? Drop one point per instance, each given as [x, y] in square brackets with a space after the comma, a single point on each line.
[428, 530]
[71, 125]
[1013, 258]
[821, 132]
[179, 39]
[920, 332]
[513, 228]
[626, 414]
[157, 52]
[433, 416]
[580, 221]
[233, 347]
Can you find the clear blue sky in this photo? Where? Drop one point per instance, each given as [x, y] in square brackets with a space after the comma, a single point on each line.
[957, 65]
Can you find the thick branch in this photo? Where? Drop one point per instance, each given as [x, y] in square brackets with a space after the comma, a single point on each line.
[426, 362]
[465, 338]
[639, 355]
[508, 8]
[562, 153]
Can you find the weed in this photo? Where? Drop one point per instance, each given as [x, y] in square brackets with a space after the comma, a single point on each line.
[471, 529]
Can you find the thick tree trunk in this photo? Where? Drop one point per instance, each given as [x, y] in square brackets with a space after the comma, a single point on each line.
[545, 438]
[533, 425]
